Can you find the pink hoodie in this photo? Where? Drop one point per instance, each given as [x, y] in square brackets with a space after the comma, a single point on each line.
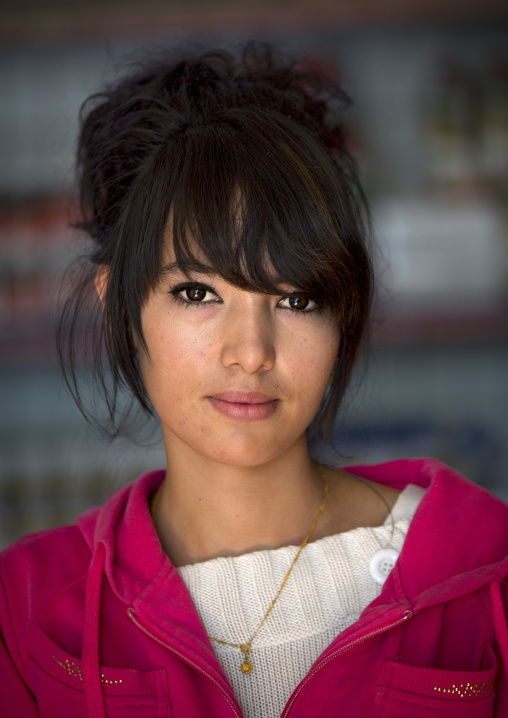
[95, 621]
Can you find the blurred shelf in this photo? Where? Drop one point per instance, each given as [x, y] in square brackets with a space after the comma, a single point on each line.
[75, 20]
[28, 342]
[417, 326]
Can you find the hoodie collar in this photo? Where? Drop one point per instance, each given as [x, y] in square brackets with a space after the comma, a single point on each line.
[457, 542]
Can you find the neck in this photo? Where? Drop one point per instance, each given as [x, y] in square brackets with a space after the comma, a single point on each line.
[207, 510]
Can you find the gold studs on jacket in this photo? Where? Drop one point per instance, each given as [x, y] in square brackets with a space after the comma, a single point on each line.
[75, 671]
[469, 690]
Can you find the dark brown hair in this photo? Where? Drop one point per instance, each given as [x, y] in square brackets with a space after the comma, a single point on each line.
[207, 139]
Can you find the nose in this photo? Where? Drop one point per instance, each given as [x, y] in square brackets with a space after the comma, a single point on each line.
[249, 337]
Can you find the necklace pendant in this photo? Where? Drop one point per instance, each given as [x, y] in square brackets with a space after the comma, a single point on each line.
[246, 666]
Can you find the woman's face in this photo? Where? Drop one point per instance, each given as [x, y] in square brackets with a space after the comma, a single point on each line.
[235, 376]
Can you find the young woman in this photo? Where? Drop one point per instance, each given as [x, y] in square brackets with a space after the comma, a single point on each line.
[233, 284]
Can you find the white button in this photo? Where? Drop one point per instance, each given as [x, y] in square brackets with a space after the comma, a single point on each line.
[382, 563]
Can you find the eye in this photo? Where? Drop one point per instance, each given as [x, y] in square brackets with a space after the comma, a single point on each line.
[299, 303]
[194, 293]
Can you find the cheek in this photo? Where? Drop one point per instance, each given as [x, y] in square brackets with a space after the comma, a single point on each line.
[311, 361]
[175, 366]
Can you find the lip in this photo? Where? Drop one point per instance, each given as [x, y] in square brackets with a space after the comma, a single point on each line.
[244, 406]
[243, 397]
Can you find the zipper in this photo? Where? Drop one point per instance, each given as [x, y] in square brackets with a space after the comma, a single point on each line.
[132, 615]
[405, 617]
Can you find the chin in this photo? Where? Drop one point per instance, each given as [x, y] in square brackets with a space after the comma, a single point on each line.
[244, 452]
[241, 446]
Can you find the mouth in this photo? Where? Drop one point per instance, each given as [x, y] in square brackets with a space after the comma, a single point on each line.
[244, 406]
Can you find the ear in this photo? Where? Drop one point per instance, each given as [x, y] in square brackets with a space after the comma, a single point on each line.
[101, 282]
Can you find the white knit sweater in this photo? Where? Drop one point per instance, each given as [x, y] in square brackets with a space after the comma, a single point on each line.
[328, 588]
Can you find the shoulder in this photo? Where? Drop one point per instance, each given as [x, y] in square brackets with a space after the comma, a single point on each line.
[398, 473]
[443, 481]
[36, 570]
[42, 569]
[450, 498]
[42, 553]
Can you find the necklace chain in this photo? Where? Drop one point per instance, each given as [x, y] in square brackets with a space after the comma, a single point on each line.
[246, 648]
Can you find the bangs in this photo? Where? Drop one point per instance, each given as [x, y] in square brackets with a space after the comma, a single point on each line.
[261, 209]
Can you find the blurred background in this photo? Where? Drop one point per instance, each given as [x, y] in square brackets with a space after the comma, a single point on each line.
[429, 127]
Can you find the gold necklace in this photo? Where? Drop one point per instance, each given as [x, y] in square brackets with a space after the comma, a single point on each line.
[246, 648]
